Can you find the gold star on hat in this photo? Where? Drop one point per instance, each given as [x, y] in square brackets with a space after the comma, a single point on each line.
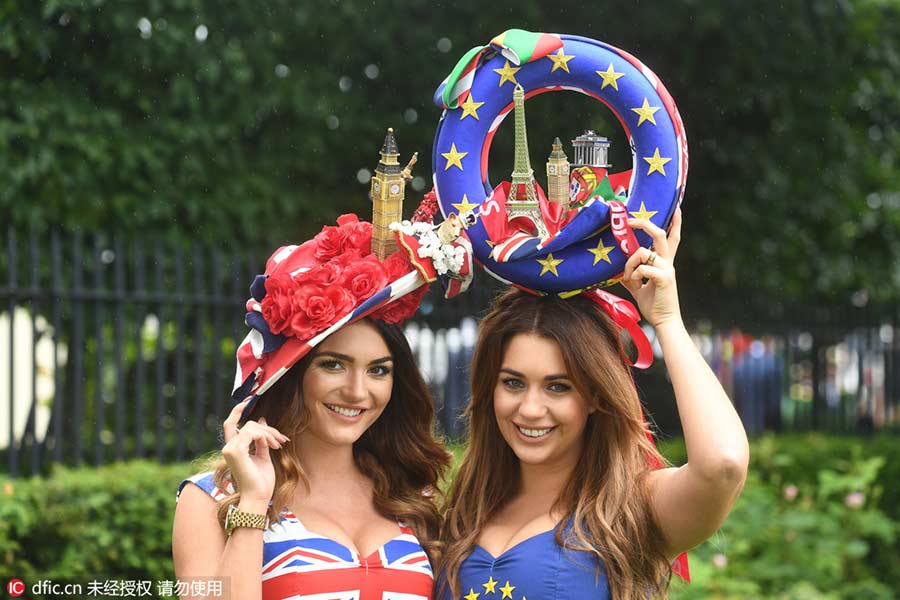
[657, 163]
[601, 252]
[560, 60]
[464, 206]
[549, 264]
[644, 213]
[610, 77]
[454, 157]
[646, 112]
[470, 108]
[507, 73]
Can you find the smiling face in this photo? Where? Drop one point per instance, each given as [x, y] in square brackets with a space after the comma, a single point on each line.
[348, 384]
[540, 414]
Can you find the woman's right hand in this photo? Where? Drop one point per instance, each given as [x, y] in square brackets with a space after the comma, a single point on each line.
[253, 473]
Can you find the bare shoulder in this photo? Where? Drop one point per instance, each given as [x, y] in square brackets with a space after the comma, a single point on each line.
[197, 537]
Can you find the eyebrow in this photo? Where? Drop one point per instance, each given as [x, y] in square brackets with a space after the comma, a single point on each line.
[522, 375]
[350, 359]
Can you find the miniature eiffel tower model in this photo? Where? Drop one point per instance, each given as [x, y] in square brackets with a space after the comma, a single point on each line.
[523, 201]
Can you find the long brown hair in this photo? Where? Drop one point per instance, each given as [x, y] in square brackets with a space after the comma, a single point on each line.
[606, 498]
[398, 452]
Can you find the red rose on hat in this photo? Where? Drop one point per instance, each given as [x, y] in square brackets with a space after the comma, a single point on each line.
[329, 243]
[318, 306]
[278, 305]
[402, 308]
[397, 265]
[358, 236]
[332, 271]
[364, 277]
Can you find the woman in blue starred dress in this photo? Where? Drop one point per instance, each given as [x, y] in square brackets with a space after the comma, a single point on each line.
[560, 494]
[325, 485]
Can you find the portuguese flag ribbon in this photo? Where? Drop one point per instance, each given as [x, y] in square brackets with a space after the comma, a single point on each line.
[516, 45]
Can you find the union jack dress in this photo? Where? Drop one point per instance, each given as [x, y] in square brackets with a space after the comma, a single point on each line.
[299, 564]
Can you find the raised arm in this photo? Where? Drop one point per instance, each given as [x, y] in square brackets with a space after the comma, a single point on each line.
[690, 502]
[200, 548]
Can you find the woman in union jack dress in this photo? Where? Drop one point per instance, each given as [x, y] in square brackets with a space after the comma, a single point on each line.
[561, 493]
[325, 486]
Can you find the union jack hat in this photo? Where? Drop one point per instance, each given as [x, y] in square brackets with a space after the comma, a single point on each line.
[309, 291]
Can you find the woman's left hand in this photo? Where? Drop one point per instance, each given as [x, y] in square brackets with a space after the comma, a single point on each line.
[657, 299]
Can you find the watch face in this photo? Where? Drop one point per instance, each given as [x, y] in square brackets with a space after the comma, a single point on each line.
[376, 187]
[551, 169]
[395, 189]
[229, 518]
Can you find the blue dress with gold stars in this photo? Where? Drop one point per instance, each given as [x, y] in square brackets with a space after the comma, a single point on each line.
[536, 568]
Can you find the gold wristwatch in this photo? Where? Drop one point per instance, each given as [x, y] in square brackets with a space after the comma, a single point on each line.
[236, 518]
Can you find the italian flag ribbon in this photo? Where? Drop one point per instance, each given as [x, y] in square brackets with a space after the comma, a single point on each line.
[516, 45]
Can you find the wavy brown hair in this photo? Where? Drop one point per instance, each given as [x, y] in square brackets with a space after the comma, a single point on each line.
[398, 452]
[606, 498]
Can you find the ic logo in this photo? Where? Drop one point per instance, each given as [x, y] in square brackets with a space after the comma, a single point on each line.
[15, 587]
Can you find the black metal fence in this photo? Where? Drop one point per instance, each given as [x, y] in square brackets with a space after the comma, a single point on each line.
[114, 348]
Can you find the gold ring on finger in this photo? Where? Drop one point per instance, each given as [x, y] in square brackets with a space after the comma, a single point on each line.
[652, 258]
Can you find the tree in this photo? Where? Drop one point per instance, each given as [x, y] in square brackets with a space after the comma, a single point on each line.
[250, 125]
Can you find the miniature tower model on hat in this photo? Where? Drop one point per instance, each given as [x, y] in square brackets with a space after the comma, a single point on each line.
[523, 201]
[558, 175]
[591, 150]
[388, 187]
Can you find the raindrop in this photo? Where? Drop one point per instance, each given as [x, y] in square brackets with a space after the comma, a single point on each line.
[332, 122]
[161, 24]
[410, 115]
[107, 256]
[64, 19]
[873, 200]
[418, 183]
[282, 71]
[145, 27]
[201, 33]
[859, 298]
[345, 83]
[886, 333]
[372, 71]
[363, 175]
[444, 44]
[805, 341]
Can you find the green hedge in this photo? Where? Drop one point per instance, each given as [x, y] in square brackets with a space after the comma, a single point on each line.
[835, 536]
[819, 518]
[78, 525]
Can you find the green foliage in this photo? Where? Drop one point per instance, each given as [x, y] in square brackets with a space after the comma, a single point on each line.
[120, 116]
[812, 522]
[111, 522]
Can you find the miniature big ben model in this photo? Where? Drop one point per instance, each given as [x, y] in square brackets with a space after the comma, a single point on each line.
[558, 175]
[388, 188]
